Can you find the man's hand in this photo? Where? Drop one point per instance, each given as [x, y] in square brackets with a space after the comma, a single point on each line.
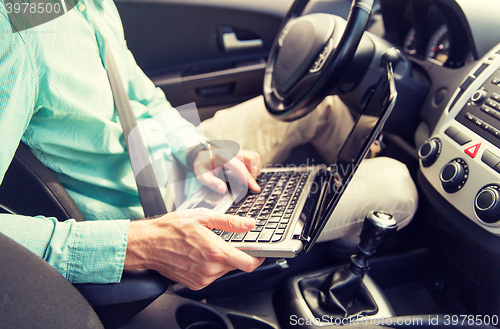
[246, 166]
[181, 246]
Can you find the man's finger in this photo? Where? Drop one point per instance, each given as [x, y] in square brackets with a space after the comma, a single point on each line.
[252, 162]
[213, 182]
[229, 223]
[238, 168]
[243, 261]
[241, 171]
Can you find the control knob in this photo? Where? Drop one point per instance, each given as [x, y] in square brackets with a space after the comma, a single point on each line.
[479, 96]
[429, 151]
[487, 203]
[454, 175]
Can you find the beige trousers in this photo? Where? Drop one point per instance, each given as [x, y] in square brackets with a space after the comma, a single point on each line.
[379, 184]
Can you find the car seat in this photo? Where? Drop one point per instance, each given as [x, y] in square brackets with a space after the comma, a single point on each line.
[29, 188]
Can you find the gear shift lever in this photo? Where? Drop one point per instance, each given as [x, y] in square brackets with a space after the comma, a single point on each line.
[377, 227]
[342, 293]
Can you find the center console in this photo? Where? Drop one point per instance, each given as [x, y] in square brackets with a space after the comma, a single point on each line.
[460, 179]
[461, 160]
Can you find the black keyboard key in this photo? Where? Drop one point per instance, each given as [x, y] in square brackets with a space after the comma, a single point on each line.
[238, 237]
[257, 228]
[226, 235]
[265, 235]
[285, 220]
[277, 237]
[216, 231]
[271, 225]
[260, 222]
[251, 236]
[282, 225]
[274, 220]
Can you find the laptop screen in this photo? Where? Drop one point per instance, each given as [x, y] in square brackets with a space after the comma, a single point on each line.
[365, 131]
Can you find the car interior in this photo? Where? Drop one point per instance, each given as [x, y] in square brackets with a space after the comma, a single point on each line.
[442, 270]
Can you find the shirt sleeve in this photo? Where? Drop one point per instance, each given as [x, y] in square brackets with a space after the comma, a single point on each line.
[81, 252]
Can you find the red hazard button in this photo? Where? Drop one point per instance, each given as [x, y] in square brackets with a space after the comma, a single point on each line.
[472, 151]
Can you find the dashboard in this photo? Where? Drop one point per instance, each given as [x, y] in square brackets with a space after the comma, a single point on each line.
[461, 158]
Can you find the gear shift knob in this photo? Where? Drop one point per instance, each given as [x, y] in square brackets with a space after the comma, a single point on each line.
[377, 227]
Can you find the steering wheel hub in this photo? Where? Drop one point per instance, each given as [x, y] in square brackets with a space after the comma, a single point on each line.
[309, 57]
[299, 45]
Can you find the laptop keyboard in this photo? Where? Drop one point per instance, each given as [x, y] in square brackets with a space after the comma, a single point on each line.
[272, 208]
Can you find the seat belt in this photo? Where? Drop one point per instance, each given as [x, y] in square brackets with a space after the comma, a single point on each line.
[149, 193]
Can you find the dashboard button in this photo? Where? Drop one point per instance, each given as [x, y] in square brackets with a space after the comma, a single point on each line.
[479, 96]
[467, 83]
[487, 204]
[495, 97]
[495, 132]
[472, 151]
[486, 199]
[454, 175]
[457, 136]
[429, 151]
[461, 138]
[490, 159]
[451, 131]
[487, 110]
[481, 69]
[491, 103]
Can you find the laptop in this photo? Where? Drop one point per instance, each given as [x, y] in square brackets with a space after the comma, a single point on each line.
[295, 203]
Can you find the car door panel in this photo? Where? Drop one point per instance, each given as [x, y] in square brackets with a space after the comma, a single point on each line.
[180, 46]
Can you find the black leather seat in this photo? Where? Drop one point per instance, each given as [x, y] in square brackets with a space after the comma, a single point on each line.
[30, 188]
[35, 295]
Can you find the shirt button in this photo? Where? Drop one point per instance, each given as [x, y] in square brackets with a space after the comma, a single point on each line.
[82, 7]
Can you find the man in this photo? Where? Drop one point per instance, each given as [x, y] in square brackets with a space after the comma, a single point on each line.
[55, 97]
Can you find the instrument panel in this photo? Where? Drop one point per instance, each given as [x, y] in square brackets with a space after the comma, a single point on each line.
[427, 31]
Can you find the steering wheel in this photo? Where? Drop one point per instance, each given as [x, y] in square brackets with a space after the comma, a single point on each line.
[309, 56]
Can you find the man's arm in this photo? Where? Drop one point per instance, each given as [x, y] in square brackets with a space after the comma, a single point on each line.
[181, 247]
[69, 247]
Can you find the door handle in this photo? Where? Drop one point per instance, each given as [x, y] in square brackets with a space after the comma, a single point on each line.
[231, 42]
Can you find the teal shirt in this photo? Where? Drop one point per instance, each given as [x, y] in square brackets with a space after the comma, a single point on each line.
[55, 97]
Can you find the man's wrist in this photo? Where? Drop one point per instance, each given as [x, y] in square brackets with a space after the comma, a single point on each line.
[136, 255]
[193, 152]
